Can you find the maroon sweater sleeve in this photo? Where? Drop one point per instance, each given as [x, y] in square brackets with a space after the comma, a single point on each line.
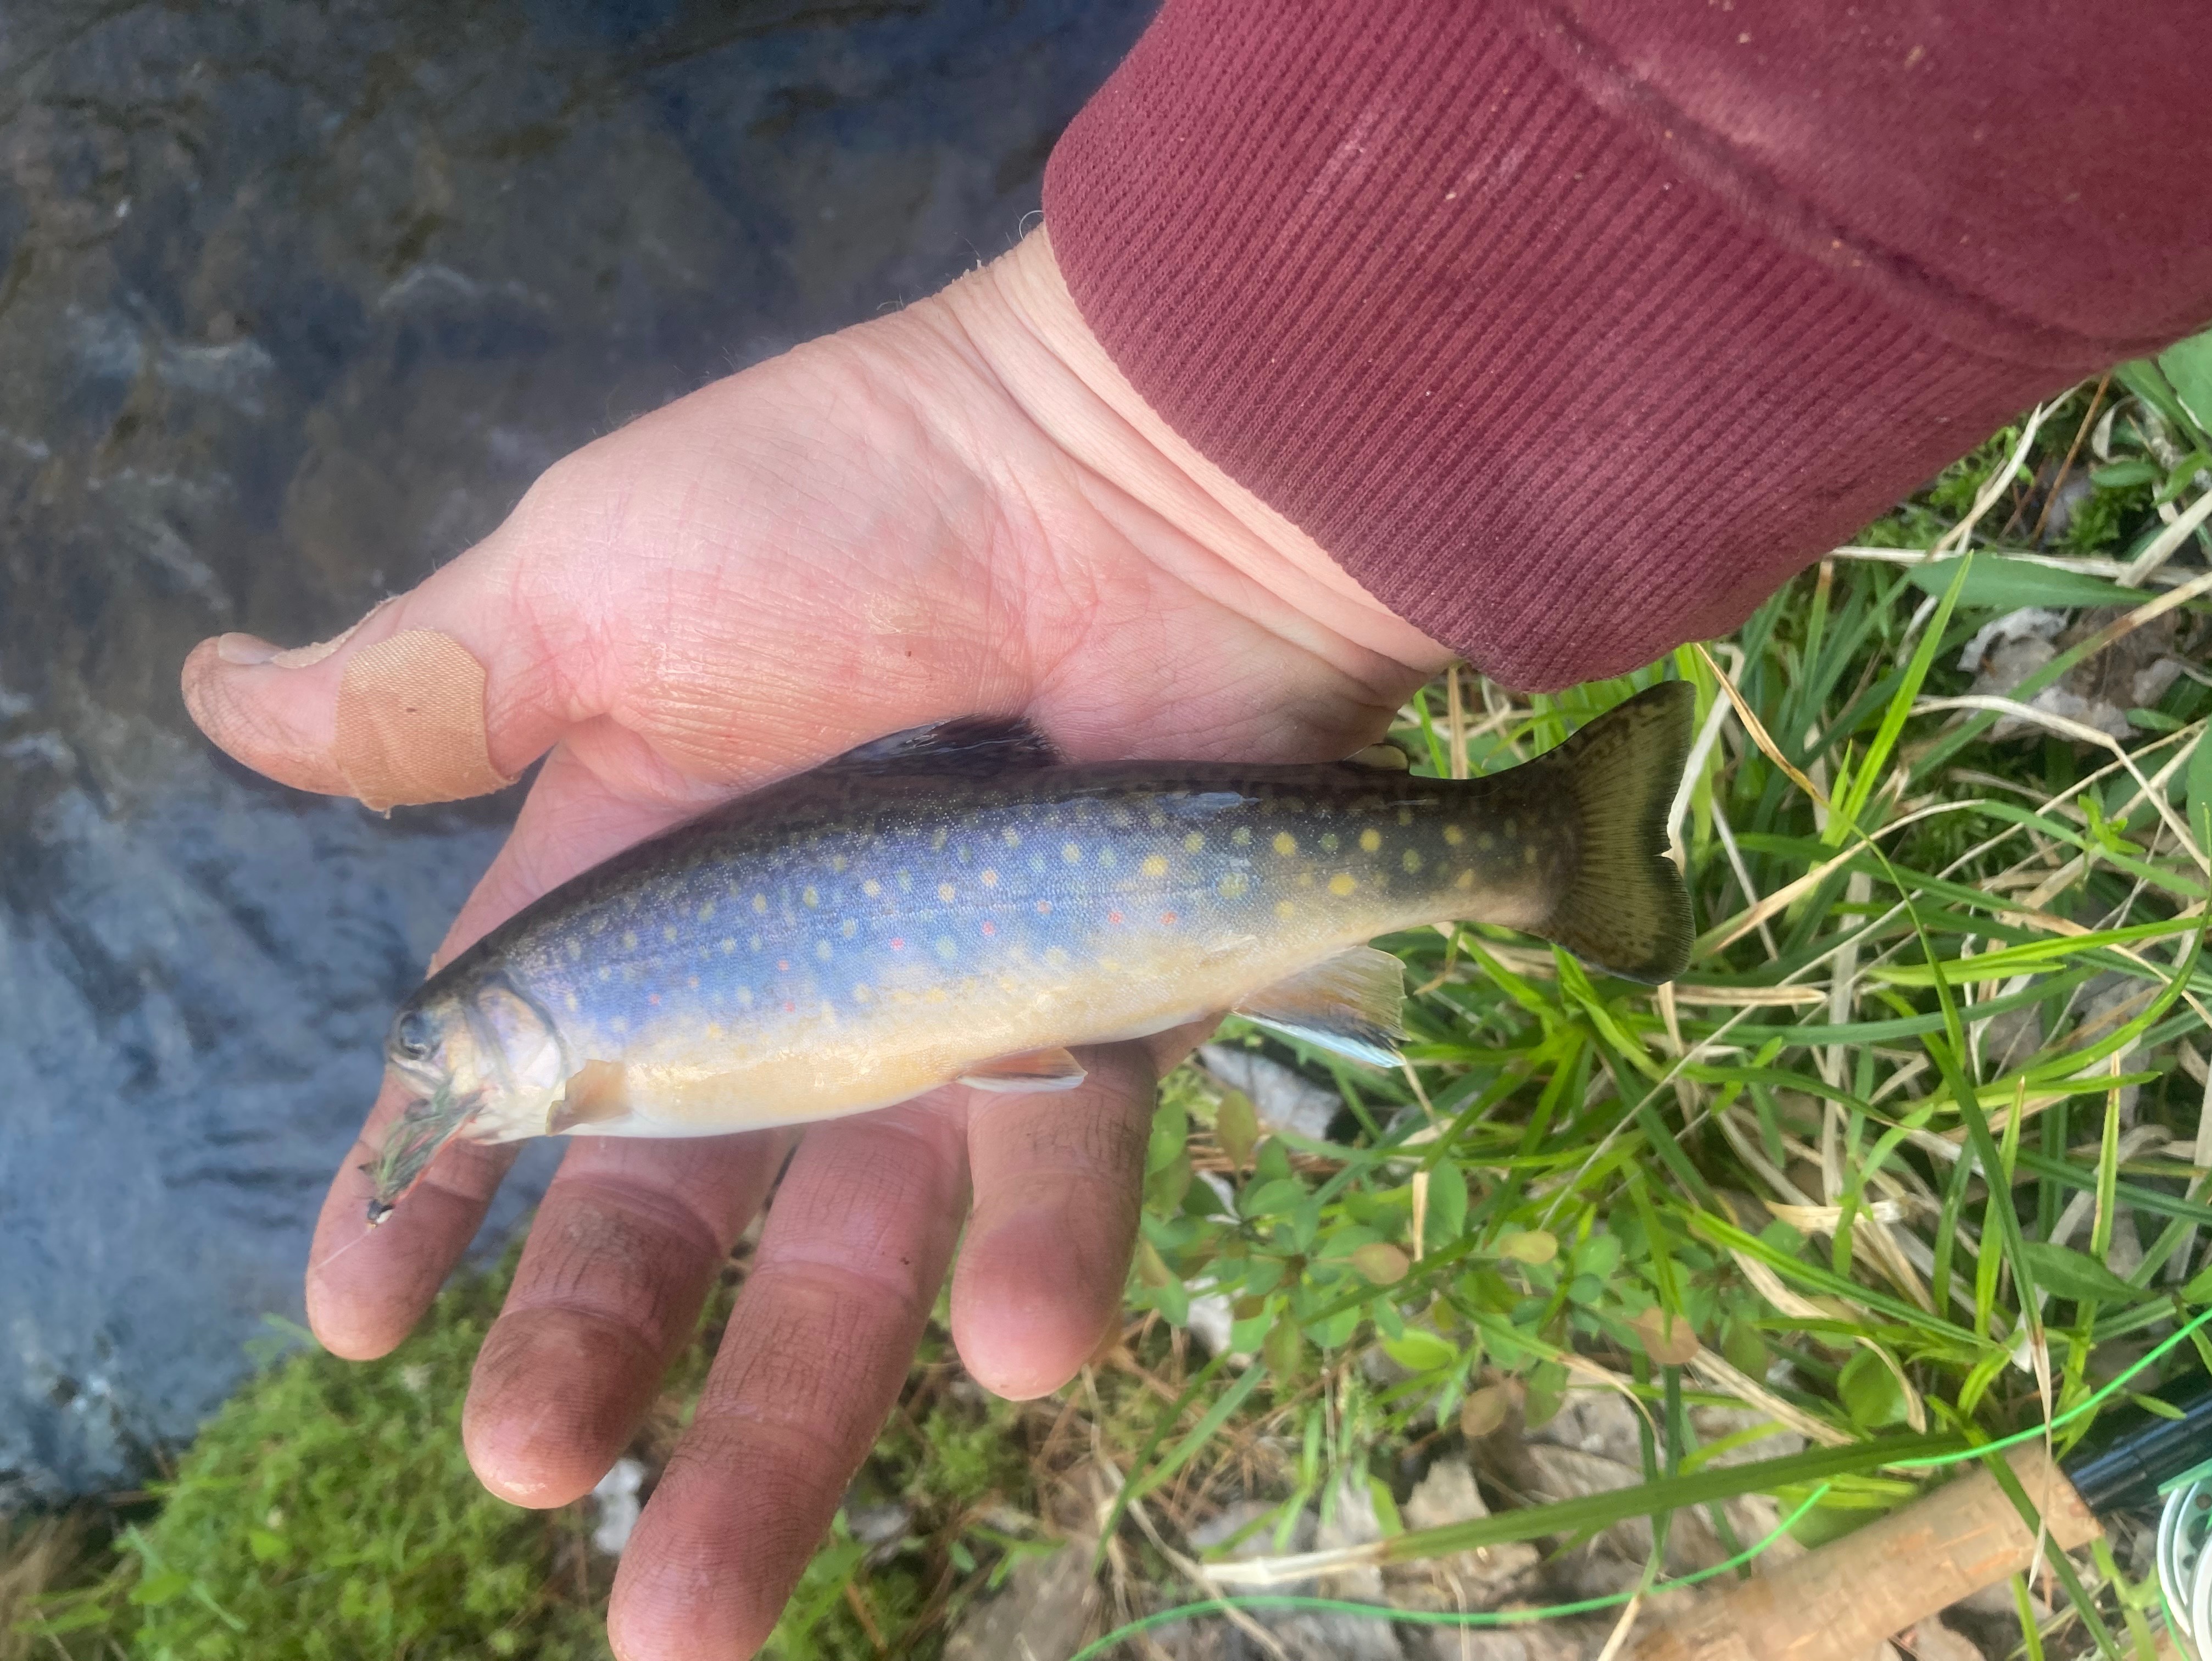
[1572, 331]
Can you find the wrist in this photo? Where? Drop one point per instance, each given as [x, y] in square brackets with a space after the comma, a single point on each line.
[1018, 316]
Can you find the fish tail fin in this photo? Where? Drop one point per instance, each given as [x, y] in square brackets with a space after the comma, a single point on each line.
[1626, 911]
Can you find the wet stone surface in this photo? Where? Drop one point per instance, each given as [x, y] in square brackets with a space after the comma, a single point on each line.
[294, 302]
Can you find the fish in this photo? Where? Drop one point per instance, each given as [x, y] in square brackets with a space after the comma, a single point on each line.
[960, 903]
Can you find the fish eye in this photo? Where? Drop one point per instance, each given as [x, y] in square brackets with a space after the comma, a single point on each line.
[412, 1035]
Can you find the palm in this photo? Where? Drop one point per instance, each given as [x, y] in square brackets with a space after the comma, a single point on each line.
[867, 534]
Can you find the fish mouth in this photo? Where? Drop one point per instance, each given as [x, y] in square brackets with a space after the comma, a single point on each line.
[427, 1124]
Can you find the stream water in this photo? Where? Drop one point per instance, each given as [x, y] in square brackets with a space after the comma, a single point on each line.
[295, 300]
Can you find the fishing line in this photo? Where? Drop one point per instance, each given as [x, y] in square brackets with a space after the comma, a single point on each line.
[2188, 1521]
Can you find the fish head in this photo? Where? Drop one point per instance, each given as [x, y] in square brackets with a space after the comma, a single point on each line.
[480, 1041]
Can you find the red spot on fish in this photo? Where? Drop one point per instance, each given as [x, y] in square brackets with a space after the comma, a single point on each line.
[1168, 918]
[990, 928]
[653, 997]
[789, 1007]
[1044, 906]
[783, 964]
[897, 944]
[1113, 916]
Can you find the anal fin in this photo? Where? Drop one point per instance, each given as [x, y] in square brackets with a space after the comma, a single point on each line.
[1031, 1070]
[1353, 1003]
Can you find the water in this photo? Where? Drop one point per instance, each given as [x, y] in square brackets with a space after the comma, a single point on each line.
[293, 302]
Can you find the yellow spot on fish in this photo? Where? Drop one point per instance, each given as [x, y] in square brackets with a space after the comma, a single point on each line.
[872, 888]
[760, 902]
[1106, 858]
[1233, 885]
[1465, 879]
[1242, 836]
[1011, 837]
[1286, 843]
[848, 928]
[605, 973]
[1284, 908]
[837, 866]
[576, 950]
[1328, 842]
[668, 932]
[1193, 842]
[1156, 818]
[822, 950]
[1071, 853]
[707, 912]
[989, 878]
[944, 892]
[1156, 866]
[1342, 884]
[1486, 842]
[569, 999]
[1306, 878]
[1528, 854]
[1370, 841]
[713, 1028]
[936, 842]
[945, 947]
[1412, 862]
[729, 943]
[1405, 816]
[1454, 835]
[811, 896]
[629, 939]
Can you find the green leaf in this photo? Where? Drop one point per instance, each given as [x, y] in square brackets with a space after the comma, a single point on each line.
[2065, 1273]
[1447, 1204]
[2122, 475]
[2188, 367]
[1870, 1392]
[1236, 1127]
[2198, 1288]
[2200, 789]
[1999, 584]
[1420, 1351]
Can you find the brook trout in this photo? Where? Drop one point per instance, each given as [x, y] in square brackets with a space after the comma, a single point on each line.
[960, 903]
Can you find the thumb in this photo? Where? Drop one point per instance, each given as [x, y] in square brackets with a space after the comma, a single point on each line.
[398, 709]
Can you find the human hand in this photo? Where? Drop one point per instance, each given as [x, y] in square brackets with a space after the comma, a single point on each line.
[958, 510]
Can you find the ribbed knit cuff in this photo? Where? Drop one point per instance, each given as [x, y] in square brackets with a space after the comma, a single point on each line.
[1550, 386]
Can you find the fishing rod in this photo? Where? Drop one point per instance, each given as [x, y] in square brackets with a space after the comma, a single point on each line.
[1837, 1604]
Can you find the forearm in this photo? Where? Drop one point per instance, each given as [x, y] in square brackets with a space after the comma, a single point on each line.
[1569, 334]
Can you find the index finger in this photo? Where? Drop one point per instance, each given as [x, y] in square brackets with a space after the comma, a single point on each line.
[365, 1289]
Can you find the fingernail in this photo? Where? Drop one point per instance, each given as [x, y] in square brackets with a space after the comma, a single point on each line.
[244, 649]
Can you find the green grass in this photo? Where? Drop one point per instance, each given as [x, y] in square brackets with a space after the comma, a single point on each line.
[1925, 955]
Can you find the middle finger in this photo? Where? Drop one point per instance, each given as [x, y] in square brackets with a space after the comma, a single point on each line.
[625, 1245]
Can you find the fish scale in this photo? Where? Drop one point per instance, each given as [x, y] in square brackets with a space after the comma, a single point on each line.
[959, 904]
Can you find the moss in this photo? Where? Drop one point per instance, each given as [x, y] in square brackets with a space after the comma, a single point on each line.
[328, 1512]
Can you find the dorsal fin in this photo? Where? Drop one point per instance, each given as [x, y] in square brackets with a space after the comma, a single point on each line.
[971, 744]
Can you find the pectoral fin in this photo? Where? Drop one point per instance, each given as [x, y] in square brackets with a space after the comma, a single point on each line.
[1353, 1003]
[1032, 1070]
[597, 1094]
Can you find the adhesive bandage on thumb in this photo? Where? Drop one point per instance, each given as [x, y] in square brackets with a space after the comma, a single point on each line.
[410, 722]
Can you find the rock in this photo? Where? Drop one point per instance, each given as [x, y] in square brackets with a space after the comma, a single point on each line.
[1040, 1614]
[1931, 1641]
[271, 357]
[1486, 1578]
[615, 1498]
[1282, 1098]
